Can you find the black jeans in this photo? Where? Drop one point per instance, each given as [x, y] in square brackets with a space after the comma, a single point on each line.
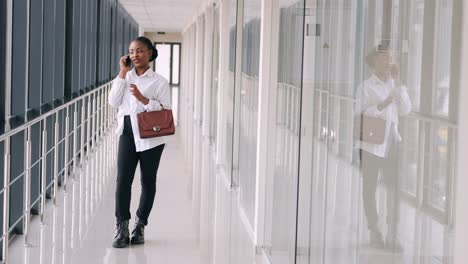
[387, 168]
[127, 162]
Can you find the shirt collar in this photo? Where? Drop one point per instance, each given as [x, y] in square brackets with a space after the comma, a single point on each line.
[148, 73]
[377, 80]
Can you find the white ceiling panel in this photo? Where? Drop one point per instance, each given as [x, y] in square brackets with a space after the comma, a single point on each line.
[162, 15]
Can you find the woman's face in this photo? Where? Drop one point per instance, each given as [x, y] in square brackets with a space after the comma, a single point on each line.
[383, 62]
[139, 54]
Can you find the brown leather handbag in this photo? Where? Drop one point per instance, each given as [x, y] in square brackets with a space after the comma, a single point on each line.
[156, 123]
[369, 129]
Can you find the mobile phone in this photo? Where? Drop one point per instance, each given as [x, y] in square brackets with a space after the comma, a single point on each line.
[128, 61]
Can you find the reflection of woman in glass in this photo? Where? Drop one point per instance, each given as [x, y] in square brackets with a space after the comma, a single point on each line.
[382, 95]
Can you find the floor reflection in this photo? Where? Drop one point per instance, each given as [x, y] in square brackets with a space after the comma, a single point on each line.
[80, 228]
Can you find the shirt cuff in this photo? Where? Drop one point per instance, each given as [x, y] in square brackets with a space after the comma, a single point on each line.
[373, 111]
[152, 106]
[119, 80]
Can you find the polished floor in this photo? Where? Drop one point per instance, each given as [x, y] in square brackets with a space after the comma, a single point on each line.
[214, 229]
[80, 227]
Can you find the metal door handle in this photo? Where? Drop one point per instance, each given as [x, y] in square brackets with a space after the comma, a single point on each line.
[332, 135]
[324, 134]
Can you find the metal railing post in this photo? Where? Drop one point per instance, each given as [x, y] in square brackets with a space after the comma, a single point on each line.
[56, 150]
[101, 137]
[44, 170]
[6, 200]
[75, 139]
[94, 162]
[93, 124]
[98, 143]
[88, 128]
[83, 108]
[27, 187]
[106, 127]
[66, 158]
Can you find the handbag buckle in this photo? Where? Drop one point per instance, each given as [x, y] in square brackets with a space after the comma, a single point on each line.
[156, 129]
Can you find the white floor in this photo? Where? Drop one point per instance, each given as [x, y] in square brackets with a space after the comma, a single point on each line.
[80, 228]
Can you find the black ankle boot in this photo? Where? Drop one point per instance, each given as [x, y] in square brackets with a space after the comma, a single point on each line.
[122, 236]
[138, 233]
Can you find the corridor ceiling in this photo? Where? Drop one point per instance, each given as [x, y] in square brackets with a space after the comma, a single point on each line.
[162, 15]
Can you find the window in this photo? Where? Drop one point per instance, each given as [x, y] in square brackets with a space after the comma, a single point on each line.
[48, 56]
[3, 36]
[59, 55]
[443, 22]
[54, 55]
[215, 77]
[280, 217]
[248, 90]
[164, 60]
[227, 89]
[19, 53]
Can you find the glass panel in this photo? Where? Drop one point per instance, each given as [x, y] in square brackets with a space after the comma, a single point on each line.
[414, 57]
[410, 152]
[2, 64]
[19, 67]
[442, 61]
[377, 173]
[313, 144]
[215, 76]
[249, 107]
[75, 48]
[163, 62]
[281, 212]
[227, 89]
[344, 132]
[341, 184]
[436, 185]
[175, 63]
[59, 55]
[175, 103]
[48, 54]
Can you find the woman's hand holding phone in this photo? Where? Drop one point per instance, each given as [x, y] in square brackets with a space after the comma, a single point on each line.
[124, 66]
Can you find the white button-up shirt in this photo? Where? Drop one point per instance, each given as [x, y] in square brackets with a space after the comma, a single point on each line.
[151, 85]
[371, 93]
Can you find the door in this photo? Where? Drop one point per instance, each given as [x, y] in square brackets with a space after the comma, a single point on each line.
[314, 135]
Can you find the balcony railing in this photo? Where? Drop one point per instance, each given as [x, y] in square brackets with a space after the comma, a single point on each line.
[90, 128]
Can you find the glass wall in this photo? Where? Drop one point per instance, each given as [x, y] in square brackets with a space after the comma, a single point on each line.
[215, 77]
[228, 70]
[186, 93]
[379, 189]
[249, 107]
[280, 220]
[362, 130]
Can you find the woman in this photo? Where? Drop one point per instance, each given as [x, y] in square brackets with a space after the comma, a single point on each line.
[382, 95]
[133, 91]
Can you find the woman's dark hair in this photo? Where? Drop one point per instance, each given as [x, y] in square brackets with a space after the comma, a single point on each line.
[150, 46]
[383, 47]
